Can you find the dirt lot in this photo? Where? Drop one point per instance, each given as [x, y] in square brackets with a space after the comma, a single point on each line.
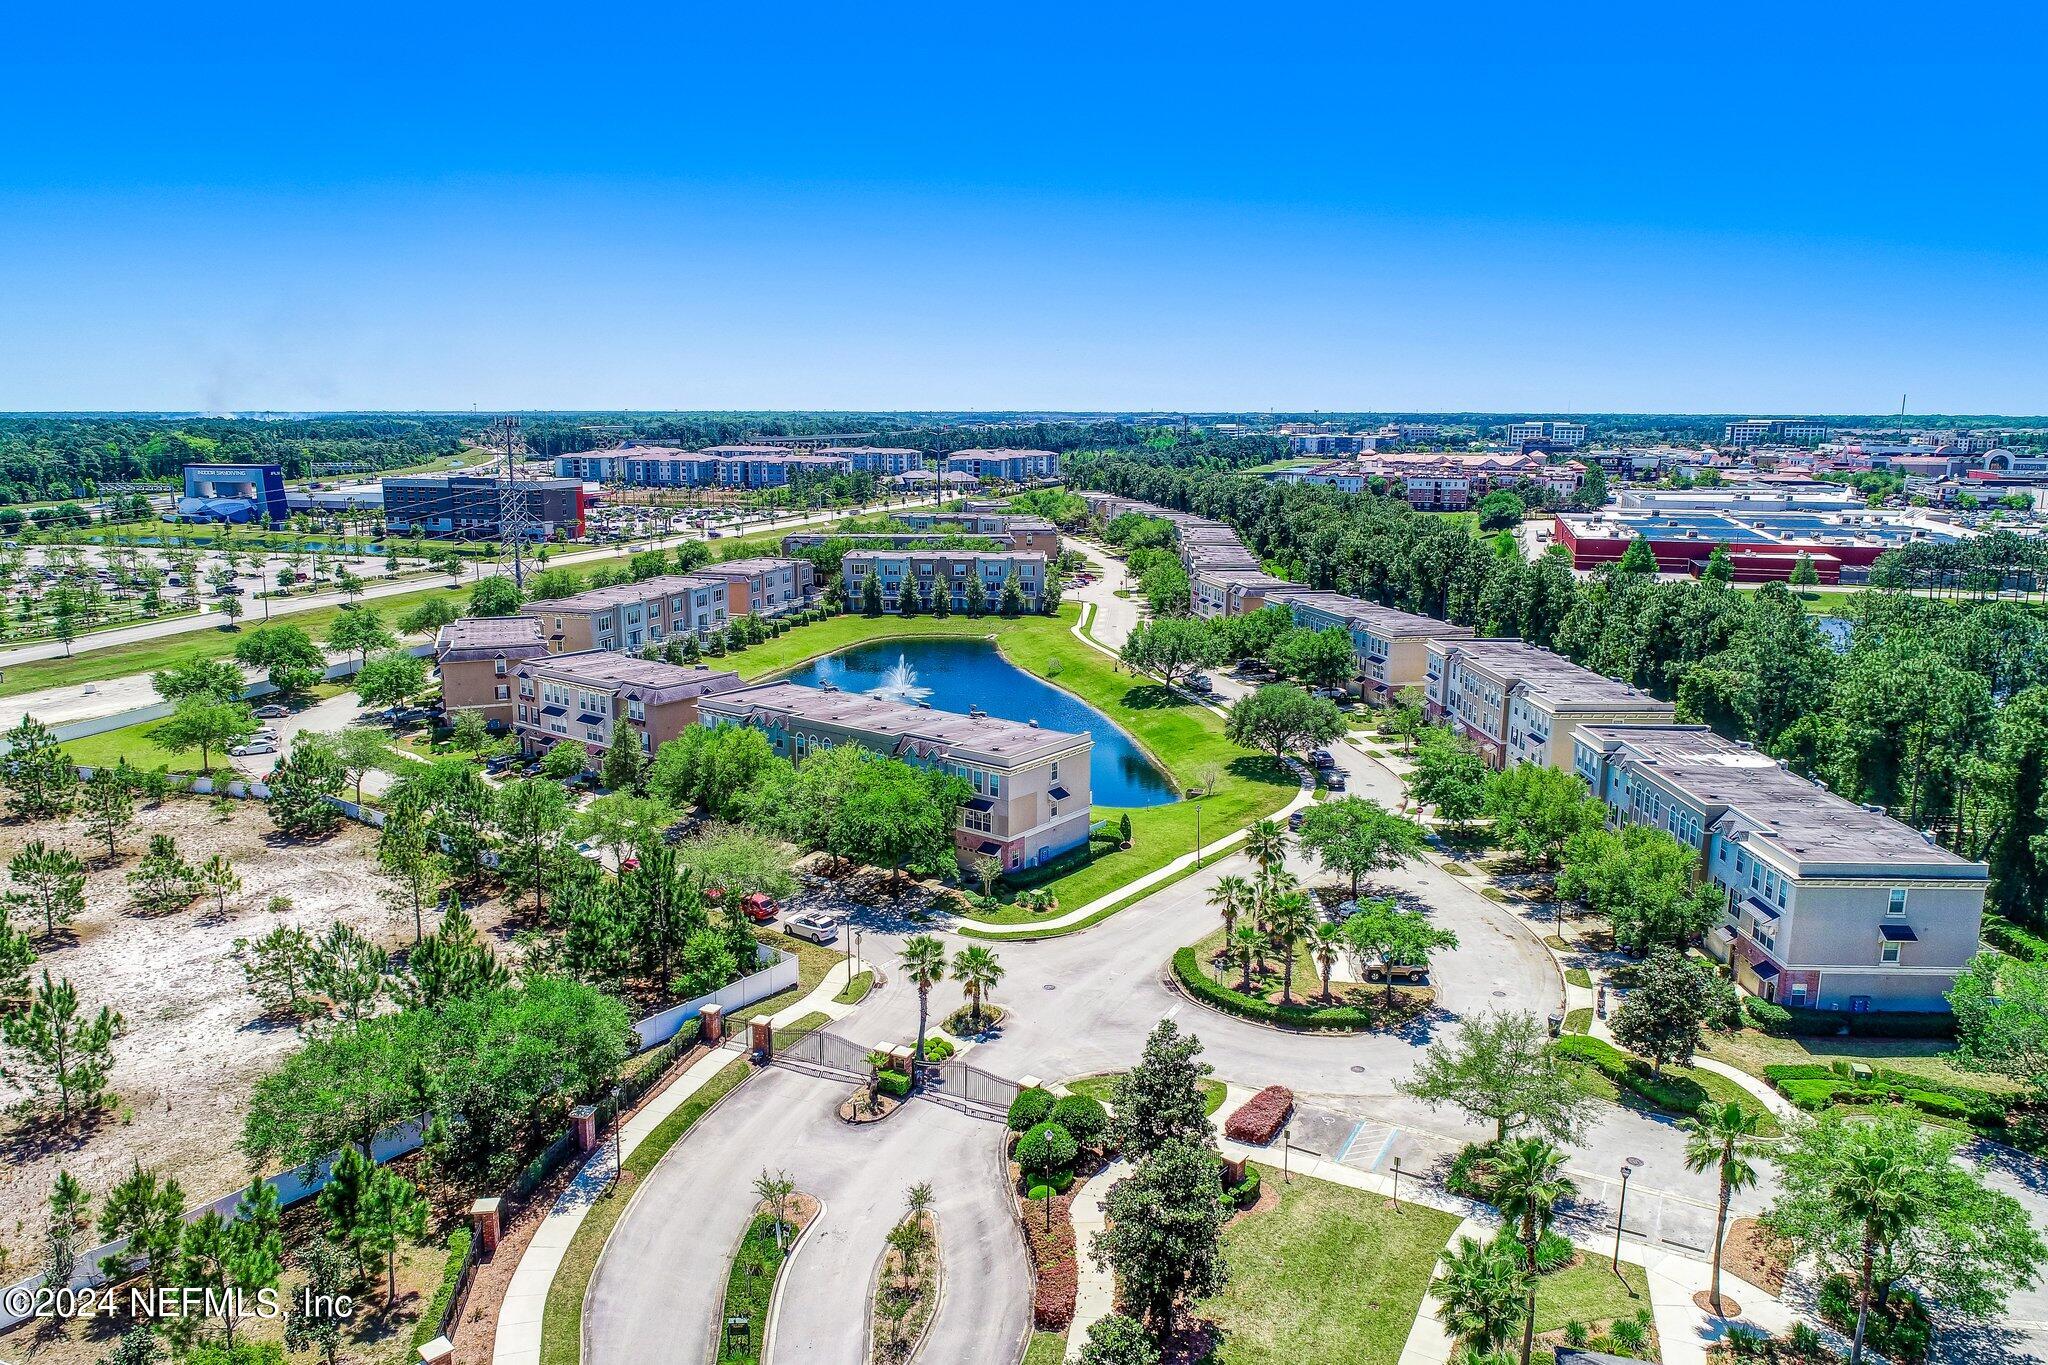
[193, 1044]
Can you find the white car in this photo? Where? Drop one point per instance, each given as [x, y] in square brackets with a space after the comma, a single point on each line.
[257, 745]
[815, 925]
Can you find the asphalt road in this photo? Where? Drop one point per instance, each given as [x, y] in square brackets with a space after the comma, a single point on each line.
[656, 1295]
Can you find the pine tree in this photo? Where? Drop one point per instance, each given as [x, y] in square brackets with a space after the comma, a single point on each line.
[234, 1261]
[40, 782]
[163, 881]
[107, 805]
[373, 1210]
[326, 1280]
[279, 968]
[149, 1213]
[69, 1205]
[53, 882]
[977, 594]
[58, 1051]
[449, 964]
[217, 878]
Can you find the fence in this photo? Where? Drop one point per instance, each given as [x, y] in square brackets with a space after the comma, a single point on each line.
[971, 1085]
[303, 1182]
[825, 1049]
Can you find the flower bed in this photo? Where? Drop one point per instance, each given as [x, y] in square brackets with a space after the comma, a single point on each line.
[1049, 1231]
[1352, 1018]
[1259, 1119]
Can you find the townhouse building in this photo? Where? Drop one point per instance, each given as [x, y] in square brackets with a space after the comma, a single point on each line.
[1829, 905]
[733, 466]
[1390, 647]
[633, 615]
[1031, 785]
[476, 656]
[763, 585]
[1237, 590]
[951, 570]
[1009, 466]
[599, 698]
[1521, 704]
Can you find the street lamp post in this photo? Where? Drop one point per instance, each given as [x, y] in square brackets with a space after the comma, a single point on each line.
[618, 1134]
[1198, 832]
[1286, 1147]
[1397, 1182]
[1620, 1209]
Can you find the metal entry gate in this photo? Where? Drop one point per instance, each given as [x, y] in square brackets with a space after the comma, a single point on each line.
[970, 1085]
[829, 1051]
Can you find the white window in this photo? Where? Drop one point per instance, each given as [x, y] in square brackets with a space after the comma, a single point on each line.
[504, 692]
[1889, 953]
[1897, 904]
[499, 667]
[1798, 993]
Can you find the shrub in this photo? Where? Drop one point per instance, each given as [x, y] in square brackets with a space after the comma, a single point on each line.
[1052, 1252]
[1764, 1015]
[893, 1083]
[1245, 1193]
[1259, 1119]
[458, 1256]
[1046, 1150]
[2008, 937]
[937, 1049]
[1083, 1117]
[1899, 1330]
[1677, 1094]
[1187, 969]
[1554, 1251]
[1806, 1023]
[1813, 1088]
[1031, 1108]
[1469, 1176]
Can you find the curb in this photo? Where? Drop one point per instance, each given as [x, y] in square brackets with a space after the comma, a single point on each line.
[781, 1282]
[938, 1297]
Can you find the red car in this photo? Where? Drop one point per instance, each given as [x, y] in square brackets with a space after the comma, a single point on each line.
[759, 908]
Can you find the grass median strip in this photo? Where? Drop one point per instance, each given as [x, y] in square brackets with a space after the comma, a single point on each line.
[561, 1329]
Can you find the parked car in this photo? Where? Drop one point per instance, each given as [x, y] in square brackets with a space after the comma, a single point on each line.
[1321, 758]
[1400, 971]
[271, 712]
[1335, 781]
[258, 745]
[1294, 820]
[1200, 683]
[759, 908]
[815, 925]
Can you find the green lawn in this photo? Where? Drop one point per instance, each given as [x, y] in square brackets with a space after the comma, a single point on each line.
[1098, 1088]
[1934, 1059]
[1330, 1275]
[133, 744]
[1590, 1293]
[1047, 1348]
[561, 1329]
[1598, 1067]
[1180, 736]
[749, 1287]
[856, 990]
[813, 960]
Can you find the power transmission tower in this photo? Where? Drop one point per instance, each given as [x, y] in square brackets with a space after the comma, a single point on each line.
[515, 516]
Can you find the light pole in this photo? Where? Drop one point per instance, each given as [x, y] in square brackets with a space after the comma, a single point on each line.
[618, 1134]
[1397, 1182]
[1620, 1208]
[1286, 1147]
[1198, 831]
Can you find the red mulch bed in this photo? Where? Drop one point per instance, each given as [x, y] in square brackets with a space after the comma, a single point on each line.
[1259, 1119]
[1052, 1251]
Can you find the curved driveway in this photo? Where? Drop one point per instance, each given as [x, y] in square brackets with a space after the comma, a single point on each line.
[655, 1297]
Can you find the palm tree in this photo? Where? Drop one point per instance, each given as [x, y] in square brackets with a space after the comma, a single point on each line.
[1326, 945]
[1480, 1295]
[1720, 1137]
[1247, 941]
[1267, 844]
[1528, 1175]
[924, 963]
[1872, 1190]
[1292, 918]
[1230, 896]
[977, 971]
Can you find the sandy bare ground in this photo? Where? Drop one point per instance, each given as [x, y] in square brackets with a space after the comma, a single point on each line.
[194, 1044]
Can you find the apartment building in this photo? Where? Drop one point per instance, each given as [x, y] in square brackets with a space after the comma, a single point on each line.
[1234, 591]
[763, 585]
[1031, 785]
[733, 466]
[476, 657]
[952, 569]
[1561, 435]
[1010, 466]
[1830, 905]
[1331, 443]
[1521, 704]
[477, 506]
[633, 615]
[597, 698]
[884, 460]
[1014, 532]
[1389, 646]
[1772, 431]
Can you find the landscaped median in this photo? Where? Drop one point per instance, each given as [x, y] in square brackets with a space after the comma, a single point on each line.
[1609, 1073]
[1207, 979]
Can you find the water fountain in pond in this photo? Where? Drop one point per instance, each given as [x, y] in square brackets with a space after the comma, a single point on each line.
[900, 683]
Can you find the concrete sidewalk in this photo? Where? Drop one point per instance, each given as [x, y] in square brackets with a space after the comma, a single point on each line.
[526, 1298]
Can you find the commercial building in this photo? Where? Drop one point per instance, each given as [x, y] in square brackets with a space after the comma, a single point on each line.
[1521, 704]
[361, 497]
[633, 615]
[476, 657]
[1389, 646]
[1763, 544]
[1031, 786]
[1773, 431]
[1009, 466]
[876, 459]
[1830, 905]
[235, 493]
[951, 570]
[475, 506]
[598, 698]
[1556, 435]
[763, 585]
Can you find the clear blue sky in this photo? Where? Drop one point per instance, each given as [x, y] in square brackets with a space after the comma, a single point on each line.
[1784, 208]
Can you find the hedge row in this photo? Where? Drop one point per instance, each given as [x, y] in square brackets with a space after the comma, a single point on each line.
[1805, 1023]
[1672, 1093]
[429, 1325]
[1259, 1119]
[1187, 968]
[1813, 1087]
[2008, 937]
[1052, 1252]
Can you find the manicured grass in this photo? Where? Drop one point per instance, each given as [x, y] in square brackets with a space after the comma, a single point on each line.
[856, 990]
[813, 960]
[1046, 1348]
[1578, 976]
[1098, 1088]
[1932, 1058]
[1179, 735]
[133, 744]
[750, 1285]
[1606, 1072]
[1591, 1293]
[801, 1026]
[1331, 1275]
[561, 1328]
[1354, 1006]
[1578, 1021]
